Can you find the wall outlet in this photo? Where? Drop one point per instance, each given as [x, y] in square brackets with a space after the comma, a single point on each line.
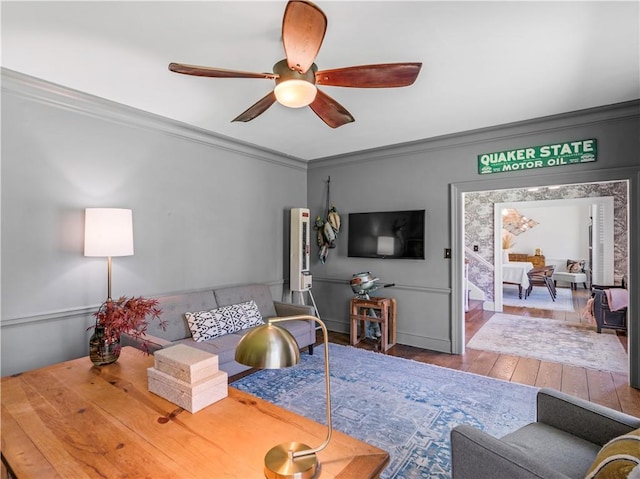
[447, 252]
[475, 248]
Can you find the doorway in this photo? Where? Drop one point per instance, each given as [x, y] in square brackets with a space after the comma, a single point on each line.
[561, 229]
[458, 191]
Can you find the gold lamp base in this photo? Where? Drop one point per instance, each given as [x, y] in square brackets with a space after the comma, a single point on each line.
[279, 462]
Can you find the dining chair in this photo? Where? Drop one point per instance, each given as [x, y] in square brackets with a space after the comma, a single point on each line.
[542, 276]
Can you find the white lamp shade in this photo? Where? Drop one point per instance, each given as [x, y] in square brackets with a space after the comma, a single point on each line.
[108, 232]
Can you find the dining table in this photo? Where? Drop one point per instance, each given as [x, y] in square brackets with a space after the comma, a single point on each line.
[515, 272]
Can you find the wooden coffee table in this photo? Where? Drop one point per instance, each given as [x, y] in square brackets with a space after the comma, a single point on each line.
[76, 420]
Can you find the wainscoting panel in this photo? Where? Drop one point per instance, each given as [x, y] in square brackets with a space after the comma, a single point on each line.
[423, 318]
[34, 342]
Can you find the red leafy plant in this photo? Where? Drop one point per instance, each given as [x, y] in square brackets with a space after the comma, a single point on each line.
[128, 315]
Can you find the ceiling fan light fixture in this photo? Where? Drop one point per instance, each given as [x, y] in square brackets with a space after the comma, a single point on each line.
[295, 93]
[303, 29]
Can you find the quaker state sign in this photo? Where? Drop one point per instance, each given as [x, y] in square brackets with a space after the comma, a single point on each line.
[557, 154]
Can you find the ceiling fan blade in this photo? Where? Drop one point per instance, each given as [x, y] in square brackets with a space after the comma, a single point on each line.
[386, 75]
[216, 72]
[257, 109]
[303, 29]
[330, 111]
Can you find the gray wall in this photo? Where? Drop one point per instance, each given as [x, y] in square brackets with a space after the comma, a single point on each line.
[206, 212]
[210, 212]
[429, 175]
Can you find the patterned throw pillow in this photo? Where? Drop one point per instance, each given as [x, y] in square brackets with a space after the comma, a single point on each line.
[205, 325]
[575, 266]
[620, 457]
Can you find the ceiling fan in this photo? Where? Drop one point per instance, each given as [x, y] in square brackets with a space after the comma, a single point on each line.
[296, 77]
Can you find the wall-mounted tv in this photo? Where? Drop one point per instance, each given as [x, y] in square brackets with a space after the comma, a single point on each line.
[387, 234]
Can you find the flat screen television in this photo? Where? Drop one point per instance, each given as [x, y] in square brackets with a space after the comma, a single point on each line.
[387, 234]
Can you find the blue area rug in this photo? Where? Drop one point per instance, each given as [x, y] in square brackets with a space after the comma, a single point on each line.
[405, 407]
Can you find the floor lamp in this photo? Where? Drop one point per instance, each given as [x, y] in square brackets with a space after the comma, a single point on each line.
[108, 232]
[272, 347]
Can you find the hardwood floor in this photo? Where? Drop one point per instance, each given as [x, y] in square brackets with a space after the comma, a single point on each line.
[606, 388]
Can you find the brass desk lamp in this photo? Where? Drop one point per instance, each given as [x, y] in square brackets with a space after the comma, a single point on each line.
[272, 347]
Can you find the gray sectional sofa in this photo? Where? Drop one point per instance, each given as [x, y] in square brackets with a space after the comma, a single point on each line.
[177, 331]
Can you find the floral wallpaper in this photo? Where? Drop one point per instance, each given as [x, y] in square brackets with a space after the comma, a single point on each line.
[479, 224]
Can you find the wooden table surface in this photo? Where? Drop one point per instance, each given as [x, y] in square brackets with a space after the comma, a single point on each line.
[75, 420]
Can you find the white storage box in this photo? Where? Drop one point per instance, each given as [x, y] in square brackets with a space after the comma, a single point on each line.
[191, 397]
[186, 363]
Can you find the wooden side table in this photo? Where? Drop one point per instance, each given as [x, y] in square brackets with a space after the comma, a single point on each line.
[385, 309]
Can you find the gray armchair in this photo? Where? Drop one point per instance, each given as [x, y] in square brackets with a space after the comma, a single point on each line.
[561, 444]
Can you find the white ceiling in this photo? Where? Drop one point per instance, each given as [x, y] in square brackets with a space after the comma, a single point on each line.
[484, 63]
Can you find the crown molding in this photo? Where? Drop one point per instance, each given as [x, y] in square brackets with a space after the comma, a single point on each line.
[591, 116]
[41, 91]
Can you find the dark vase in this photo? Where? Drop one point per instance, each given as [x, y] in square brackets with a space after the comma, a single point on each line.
[103, 349]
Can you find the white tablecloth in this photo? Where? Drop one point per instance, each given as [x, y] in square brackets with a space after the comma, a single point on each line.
[516, 272]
